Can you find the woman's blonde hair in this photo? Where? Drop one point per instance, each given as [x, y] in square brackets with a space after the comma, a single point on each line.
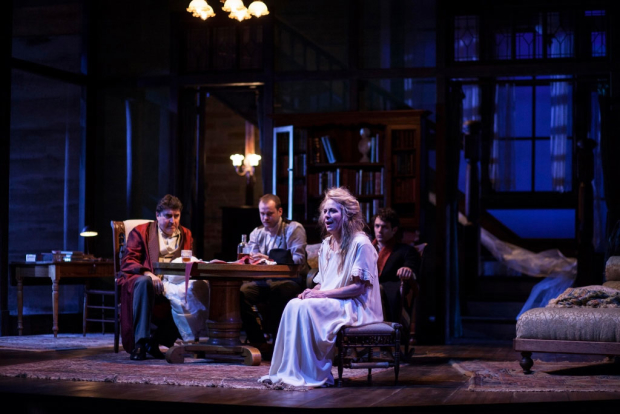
[352, 220]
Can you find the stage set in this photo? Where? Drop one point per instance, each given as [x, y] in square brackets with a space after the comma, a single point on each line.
[489, 129]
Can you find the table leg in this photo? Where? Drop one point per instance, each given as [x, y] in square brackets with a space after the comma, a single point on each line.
[224, 314]
[55, 306]
[20, 304]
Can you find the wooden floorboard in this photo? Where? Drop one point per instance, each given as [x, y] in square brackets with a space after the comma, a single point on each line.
[428, 385]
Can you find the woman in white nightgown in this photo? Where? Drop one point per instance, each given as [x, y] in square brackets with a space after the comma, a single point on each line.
[347, 293]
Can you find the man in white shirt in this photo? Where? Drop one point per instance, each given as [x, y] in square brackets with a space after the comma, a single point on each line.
[275, 233]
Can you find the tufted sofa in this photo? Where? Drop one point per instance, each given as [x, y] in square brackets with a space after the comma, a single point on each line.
[576, 330]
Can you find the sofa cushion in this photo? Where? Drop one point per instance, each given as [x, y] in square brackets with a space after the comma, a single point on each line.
[614, 284]
[570, 324]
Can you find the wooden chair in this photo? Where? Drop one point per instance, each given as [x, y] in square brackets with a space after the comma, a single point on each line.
[381, 335]
[120, 230]
[408, 307]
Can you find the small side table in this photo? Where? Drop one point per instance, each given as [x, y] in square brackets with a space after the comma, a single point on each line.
[40, 271]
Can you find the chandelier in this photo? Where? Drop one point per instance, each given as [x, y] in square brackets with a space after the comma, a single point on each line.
[236, 8]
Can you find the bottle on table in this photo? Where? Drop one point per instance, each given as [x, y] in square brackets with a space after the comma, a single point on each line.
[243, 249]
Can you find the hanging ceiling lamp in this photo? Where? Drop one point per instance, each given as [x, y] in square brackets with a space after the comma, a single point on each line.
[230, 5]
[236, 8]
[240, 13]
[200, 8]
[258, 9]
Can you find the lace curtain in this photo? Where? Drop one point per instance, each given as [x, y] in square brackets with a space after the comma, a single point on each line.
[561, 96]
[502, 163]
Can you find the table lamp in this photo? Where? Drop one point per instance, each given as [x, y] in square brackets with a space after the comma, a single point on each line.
[88, 232]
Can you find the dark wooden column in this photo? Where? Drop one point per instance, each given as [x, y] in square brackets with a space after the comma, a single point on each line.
[265, 106]
[471, 236]
[448, 142]
[5, 146]
[609, 102]
[585, 214]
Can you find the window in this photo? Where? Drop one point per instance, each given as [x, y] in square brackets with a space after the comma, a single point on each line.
[466, 36]
[532, 142]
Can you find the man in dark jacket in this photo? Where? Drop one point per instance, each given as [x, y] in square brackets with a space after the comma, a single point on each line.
[397, 261]
[143, 305]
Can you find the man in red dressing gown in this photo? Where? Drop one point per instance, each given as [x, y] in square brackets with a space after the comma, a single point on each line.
[146, 318]
[397, 261]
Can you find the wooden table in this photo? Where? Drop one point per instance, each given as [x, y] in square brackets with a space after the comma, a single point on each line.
[224, 314]
[40, 271]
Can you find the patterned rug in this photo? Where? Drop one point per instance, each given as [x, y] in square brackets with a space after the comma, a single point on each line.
[118, 368]
[507, 376]
[62, 342]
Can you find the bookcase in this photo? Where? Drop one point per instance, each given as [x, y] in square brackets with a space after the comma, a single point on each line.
[313, 152]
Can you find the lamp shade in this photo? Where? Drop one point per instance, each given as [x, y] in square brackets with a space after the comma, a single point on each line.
[237, 159]
[88, 232]
[258, 9]
[253, 159]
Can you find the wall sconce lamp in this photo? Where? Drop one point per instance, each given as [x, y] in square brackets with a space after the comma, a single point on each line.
[245, 165]
[236, 8]
[88, 233]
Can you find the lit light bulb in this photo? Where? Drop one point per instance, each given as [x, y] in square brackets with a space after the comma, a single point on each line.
[237, 159]
[258, 9]
[200, 8]
[253, 159]
[231, 5]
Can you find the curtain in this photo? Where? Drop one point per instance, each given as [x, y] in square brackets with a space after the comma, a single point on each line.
[471, 103]
[600, 207]
[561, 94]
[502, 163]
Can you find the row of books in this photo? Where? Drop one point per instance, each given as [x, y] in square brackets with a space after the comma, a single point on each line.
[403, 190]
[404, 163]
[374, 148]
[370, 208]
[403, 139]
[328, 148]
[360, 182]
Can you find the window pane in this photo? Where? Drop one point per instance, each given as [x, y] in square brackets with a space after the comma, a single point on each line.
[543, 166]
[596, 21]
[543, 111]
[466, 38]
[523, 111]
[528, 37]
[560, 32]
[523, 162]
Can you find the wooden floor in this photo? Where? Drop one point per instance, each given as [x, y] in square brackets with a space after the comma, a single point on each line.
[429, 385]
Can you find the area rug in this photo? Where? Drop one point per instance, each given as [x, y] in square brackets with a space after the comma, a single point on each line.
[62, 342]
[117, 368]
[508, 376]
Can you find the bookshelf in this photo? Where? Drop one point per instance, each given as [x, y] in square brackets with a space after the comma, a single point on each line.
[313, 152]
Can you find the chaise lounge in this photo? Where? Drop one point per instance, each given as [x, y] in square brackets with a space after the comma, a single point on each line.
[572, 330]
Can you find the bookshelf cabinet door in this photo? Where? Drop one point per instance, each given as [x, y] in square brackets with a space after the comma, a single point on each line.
[283, 166]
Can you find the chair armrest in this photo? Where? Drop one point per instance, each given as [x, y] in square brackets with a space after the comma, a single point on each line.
[309, 278]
